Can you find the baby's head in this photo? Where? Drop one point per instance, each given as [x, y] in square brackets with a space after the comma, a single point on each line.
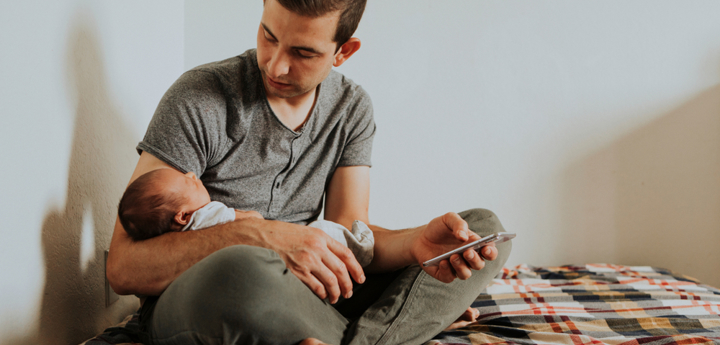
[160, 201]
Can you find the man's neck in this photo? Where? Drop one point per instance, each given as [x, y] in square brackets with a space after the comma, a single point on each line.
[294, 112]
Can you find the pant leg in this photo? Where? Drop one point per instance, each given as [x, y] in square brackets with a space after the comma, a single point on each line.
[416, 307]
[242, 295]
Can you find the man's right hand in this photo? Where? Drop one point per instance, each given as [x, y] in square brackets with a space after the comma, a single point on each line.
[322, 263]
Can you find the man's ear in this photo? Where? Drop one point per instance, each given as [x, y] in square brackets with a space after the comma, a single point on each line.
[182, 218]
[346, 51]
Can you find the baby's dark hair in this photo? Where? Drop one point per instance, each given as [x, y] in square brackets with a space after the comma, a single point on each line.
[146, 211]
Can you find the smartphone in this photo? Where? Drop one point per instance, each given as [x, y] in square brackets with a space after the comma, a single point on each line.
[499, 238]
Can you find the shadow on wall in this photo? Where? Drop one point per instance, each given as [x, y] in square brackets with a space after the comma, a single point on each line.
[73, 304]
[653, 197]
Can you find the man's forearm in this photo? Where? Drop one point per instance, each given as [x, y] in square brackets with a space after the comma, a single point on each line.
[392, 249]
[148, 267]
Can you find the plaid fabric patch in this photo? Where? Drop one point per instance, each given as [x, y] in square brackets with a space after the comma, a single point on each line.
[592, 304]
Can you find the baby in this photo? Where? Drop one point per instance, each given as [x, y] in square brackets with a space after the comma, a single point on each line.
[165, 200]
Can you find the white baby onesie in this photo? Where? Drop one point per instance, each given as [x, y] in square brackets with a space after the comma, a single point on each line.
[360, 241]
[209, 215]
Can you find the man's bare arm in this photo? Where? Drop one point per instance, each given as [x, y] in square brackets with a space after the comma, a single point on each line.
[348, 195]
[149, 266]
[395, 249]
[347, 200]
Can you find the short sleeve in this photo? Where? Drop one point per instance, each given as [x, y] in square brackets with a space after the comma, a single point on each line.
[358, 148]
[185, 129]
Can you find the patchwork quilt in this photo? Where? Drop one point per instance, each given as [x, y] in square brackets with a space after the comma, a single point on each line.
[592, 304]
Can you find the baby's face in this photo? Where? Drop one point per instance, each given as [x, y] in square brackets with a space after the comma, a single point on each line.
[187, 185]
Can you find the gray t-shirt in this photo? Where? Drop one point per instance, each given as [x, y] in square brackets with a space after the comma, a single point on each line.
[216, 122]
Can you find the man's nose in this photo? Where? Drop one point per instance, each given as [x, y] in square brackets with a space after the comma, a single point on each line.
[279, 64]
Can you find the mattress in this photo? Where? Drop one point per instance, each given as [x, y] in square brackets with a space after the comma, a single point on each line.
[592, 304]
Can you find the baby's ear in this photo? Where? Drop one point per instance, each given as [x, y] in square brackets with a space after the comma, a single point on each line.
[182, 218]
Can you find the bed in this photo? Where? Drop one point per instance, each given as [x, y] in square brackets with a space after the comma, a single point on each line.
[590, 304]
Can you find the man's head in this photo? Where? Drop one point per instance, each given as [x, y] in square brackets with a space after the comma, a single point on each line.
[159, 201]
[299, 41]
[349, 14]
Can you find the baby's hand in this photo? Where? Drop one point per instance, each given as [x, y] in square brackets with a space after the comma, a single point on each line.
[247, 214]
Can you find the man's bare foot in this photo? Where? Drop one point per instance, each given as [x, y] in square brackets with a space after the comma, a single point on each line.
[469, 316]
[311, 341]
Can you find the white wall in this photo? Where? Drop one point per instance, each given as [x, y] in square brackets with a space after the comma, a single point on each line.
[79, 82]
[591, 128]
[218, 29]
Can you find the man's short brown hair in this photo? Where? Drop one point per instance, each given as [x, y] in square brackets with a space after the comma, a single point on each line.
[351, 12]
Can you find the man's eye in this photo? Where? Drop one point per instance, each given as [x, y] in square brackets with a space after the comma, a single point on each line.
[305, 54]
[268, 37]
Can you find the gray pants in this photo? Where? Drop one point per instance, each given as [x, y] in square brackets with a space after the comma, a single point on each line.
[246, 295]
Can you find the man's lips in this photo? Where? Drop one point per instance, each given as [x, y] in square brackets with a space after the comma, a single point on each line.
[276, 84]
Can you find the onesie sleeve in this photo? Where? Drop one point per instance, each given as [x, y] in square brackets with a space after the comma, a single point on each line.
[358, 148]
[214, 213]
[185, 129]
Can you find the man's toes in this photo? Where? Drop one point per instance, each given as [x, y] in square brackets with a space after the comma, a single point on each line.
[311, 341]
[457, 324]
[470, 314]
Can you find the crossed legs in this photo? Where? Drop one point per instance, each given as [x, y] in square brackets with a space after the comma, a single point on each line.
[245, 295]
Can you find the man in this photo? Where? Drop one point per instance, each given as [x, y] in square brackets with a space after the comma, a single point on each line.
[272, 131]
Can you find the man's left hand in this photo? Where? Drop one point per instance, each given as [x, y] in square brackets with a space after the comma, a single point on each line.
[446, 233]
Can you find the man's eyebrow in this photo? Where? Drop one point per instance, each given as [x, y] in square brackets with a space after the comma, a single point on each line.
[268, 31]
[308, 49]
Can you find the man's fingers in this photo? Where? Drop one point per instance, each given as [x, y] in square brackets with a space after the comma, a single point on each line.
[473, 236]
[313, 284]
[460, 267]
[473, 259]
[457, 225]
[346, 256]
[330, 281]
[445, 273]
[341, 272]
[489, 252]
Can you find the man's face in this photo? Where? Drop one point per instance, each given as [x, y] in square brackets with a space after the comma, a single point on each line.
[294, 53]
